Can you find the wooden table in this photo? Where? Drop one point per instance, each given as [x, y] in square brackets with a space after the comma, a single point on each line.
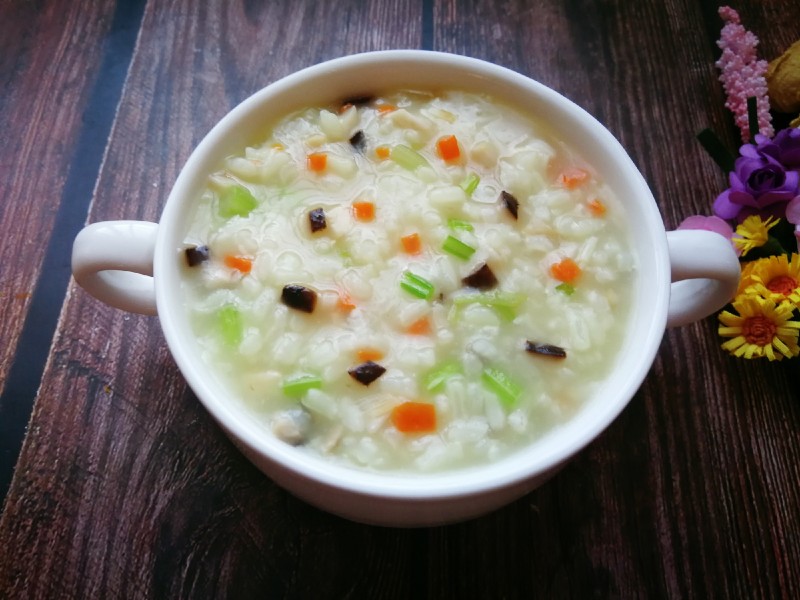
[124, 487]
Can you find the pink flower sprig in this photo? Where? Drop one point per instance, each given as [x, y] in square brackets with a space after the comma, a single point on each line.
[742, 74]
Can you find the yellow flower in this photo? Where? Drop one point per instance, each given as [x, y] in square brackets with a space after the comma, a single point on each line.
[746, 279]
[762, 328]
[753, 233]
[776, 278]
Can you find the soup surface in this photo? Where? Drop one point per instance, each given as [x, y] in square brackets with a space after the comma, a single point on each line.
[408, 282]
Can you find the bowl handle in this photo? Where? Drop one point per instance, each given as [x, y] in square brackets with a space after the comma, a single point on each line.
[705, 274]
[113, 261]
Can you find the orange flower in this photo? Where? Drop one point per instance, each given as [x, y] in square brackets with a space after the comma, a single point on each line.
[760, 329]
[777, 278]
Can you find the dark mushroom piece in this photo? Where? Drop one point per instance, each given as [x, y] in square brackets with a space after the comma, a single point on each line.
[482, 278]
[545, 349]
[359, 141]
[299, 297]
[196, 255]
[511, 203]
[366, 372]
[317, 220]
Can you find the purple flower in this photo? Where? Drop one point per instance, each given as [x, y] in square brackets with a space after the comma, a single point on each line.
[760, 184]
[784, 147]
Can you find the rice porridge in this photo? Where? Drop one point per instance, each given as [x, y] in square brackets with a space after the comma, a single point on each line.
[411, 281]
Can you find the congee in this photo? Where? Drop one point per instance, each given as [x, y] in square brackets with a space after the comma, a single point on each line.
[411, 281]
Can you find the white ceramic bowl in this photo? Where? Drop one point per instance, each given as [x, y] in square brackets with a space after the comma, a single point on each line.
[115, 260]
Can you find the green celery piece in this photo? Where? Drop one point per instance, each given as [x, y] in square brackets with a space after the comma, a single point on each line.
[435, 379]
[470, 184]
[566, 288]
[459, 225]
[297, 385]
[229, 322]
[236, 200]
[408, 158]
[457, 248]
[503, 303]
[416, 285]
[499, 383]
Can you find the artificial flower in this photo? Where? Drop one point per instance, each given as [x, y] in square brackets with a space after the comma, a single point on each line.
[761, 329]
[742, 74]
[783, 80]
[753, 232]
[793, 216]
[776, 278]
[712, 223]
[784, 148]
[746, 278]
[759, 185]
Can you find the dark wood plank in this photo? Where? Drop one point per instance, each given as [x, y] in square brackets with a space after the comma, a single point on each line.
[126, 488]
[49, 56]
[114, 421]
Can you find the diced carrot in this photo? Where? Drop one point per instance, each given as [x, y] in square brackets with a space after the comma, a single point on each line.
[596, 207]
[566, 270]
[365, 354]
[364, 211]
[411, 243]
[421, 326]
[573, 177]
[345, 303]
[386, 108]
[240, 263]
[382, 152]
[447, 147]
[317, 161]
[414, 417]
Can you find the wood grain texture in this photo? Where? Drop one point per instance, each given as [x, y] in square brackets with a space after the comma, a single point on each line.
[126, 488]
[49, 56]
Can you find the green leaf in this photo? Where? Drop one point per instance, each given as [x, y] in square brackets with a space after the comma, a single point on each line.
[716, 150]
[752, 117]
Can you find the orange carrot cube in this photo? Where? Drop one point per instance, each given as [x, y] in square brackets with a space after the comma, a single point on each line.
[411, 243]
[414, 417]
